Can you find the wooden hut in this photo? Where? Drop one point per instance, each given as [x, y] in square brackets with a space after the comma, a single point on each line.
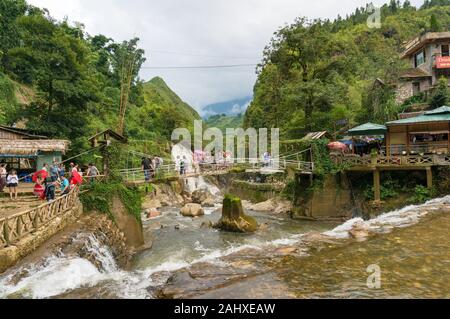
[27, 152]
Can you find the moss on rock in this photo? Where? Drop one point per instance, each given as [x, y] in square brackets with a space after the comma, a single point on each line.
[233, 217]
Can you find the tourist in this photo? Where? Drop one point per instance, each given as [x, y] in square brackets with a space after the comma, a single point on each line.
[3, 175]
[45, 167]
[182, 166]
[13, 183]
[49, 190]
[39, 189]
[54, 171]
[92, 172]
[64, 185]
[146, 167]
[61, 170]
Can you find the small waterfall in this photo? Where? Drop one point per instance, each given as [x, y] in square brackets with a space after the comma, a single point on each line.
[199, 183]
[60, 273]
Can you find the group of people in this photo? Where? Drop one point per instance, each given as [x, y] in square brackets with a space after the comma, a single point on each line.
[150, 166]
[47, 180]
[10, 180]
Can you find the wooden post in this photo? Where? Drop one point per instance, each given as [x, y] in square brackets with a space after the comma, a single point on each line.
[376, 185]
[6, 232]
[429, 177]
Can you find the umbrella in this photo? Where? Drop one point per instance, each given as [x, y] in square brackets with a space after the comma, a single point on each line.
[40, 174]
[337, 146]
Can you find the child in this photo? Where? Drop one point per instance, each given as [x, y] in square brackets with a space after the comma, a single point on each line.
[13, 182]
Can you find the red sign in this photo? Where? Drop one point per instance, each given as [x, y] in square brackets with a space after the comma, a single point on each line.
[443, 62]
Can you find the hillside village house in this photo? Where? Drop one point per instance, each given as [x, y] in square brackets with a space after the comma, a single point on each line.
[26, 152]
[429, 59]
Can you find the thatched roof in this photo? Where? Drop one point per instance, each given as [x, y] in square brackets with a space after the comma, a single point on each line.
[24, 133]
[32, 147]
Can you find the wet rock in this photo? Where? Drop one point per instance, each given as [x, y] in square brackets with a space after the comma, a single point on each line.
[151, 203]
[207, 224]
[199, 196]
[359, 231]
[209, 202]
[233, 217]
[286, 250]
[152, 213]
[192, 210]
[276, 206]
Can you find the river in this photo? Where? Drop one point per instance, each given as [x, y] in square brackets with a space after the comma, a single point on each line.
[410, 246]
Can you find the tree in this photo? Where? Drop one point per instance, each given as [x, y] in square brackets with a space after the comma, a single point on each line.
[442, 95]
[56, 63]
[10, 10]
[127, 62]
[305, 52]
[435, 26]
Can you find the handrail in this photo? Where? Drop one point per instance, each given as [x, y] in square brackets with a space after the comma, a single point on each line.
[16, 226]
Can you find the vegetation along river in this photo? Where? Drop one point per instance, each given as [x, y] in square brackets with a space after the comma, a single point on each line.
[285, 259]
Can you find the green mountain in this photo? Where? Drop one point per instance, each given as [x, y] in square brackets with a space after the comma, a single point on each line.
[223, 121]
[162, 112]
[318, 75]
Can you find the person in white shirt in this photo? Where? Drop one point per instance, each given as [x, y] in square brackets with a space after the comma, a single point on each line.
[13, 182]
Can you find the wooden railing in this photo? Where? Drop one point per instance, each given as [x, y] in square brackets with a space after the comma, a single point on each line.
[15, 227]
[381, 160]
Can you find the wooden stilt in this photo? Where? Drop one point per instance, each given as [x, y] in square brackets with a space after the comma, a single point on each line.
[429, 177]
[377, 185]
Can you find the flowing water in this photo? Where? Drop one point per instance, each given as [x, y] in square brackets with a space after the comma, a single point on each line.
[410, 247]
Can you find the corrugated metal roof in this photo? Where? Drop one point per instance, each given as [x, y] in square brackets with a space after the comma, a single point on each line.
[439, 110]
[441, 114]
[368, 129]
[423, 119]
[315, 135]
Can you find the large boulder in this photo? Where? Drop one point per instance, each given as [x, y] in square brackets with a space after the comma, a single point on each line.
[233, 217]
[199, 196]
[192, 210]
[275, 206]
[203, 197]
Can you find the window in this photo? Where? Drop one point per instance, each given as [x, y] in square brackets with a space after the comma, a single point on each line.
[419, 58]
[416, 88]
[445, 50]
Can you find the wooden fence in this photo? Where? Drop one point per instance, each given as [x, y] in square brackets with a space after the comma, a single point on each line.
[402, 160]
[15, 227]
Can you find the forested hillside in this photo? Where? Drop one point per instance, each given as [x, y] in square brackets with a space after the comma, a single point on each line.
[223, 121]
[61, 81]
[317, 73]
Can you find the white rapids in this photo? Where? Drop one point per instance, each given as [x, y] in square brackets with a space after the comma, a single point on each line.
[60, 274]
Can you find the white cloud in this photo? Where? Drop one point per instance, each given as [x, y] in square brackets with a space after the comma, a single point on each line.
[228, 28]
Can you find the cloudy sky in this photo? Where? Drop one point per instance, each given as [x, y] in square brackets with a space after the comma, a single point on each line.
[198, 33]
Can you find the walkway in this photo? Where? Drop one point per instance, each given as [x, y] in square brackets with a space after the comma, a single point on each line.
[136, 175]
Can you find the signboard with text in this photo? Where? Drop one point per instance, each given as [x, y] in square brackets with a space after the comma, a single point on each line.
[443, 62]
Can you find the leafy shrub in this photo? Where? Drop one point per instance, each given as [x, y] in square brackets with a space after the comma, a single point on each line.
[421, 194]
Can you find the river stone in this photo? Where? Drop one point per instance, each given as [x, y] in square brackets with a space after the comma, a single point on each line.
[359, 231]
[192, 210]
[233, 217]
[152, 213]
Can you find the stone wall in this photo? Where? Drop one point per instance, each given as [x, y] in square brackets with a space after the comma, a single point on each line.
[331, 200]
[9, 256]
